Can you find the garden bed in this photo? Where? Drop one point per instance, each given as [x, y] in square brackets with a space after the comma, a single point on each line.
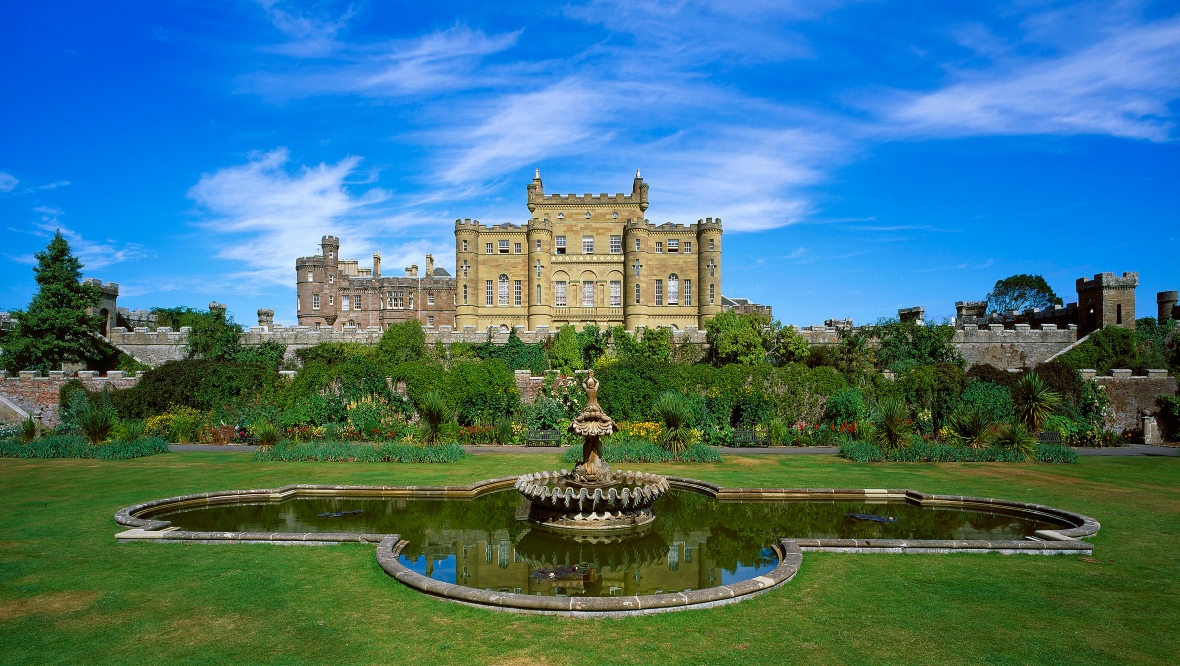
[388, 452]
[74, 446]
[928, 452]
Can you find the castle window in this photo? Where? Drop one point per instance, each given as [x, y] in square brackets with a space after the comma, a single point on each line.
[430, 298]
[464, 268]
[464, 246]
[331, 279]
[587, 215]
[503, 247]
[673, 245]
[559, 293]
[712, 293]
[487, 248]
[356, 302]
[614, 215]
[538, 245]
[343, 302]
[587, 294]
[659, 292]
[616, 244]
[410, 300]
[489, 293]
[712, 268]
[516, 292]
[637, 267]
[659, 247]
[560, 244]
[1118, 313]
[389, 302]
[502, 289]
[539, 268]
[464, 293]
[636, 244]
[637, 294]
[430, 321]
[673, 289]
[616, 294]
[538, 294]
[310, 276]
[688, 292]
[516, 248]
[331, 254]
[561, 216]
[688, 247]
[712, 245]
[315, 301]
[587, 245]
[331, 299]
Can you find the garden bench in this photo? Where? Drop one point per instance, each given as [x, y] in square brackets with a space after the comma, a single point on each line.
[1049, 437]
[749, 438]
[543, 438]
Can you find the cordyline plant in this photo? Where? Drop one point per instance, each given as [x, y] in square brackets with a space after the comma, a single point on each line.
[892, 425]
[1014, 437]
[971, 426]
[434, 414]
[1034, 401]
[673, 411]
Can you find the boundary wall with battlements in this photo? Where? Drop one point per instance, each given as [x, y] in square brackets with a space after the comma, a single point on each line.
[35, 395]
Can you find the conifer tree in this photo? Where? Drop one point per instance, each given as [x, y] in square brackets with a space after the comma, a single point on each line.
[55, 327]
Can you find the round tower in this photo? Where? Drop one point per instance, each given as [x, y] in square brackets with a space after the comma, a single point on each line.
[540, 298]
[708, 269]
[466, 273]
[636, 274]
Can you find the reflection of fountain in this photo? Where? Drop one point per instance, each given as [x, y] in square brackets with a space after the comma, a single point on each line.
[592, 498]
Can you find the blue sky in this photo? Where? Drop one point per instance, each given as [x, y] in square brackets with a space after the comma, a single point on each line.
[864, 156]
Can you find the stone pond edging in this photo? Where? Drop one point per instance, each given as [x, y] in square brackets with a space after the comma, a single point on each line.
[788, 550]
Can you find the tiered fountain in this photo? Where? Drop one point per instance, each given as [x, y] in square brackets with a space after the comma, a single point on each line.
[592, 500]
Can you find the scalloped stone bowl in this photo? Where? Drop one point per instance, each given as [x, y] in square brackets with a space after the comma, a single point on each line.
[562, 504]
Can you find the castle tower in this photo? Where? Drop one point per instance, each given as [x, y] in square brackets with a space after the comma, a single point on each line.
[1166, 303]
[709, 269]
[540, 297]
[466, 272]
[1106, 301]
[636, 271]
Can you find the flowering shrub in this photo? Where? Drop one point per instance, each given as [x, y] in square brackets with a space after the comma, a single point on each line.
[219, 434]
[647, 430]
[476, 435]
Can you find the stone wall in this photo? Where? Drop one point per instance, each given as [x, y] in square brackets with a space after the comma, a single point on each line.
[1009, 348]
[31, 393]
[1132, 398]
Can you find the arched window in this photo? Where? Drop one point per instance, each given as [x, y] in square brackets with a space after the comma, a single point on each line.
[502, 289]
[464, 293]
[673, 289]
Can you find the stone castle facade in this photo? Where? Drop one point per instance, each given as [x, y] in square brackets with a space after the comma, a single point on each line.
[579, 260]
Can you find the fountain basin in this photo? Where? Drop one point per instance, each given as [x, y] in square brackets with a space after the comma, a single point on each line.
[561, 503]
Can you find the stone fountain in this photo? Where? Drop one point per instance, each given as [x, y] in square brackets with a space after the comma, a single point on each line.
[592, 501]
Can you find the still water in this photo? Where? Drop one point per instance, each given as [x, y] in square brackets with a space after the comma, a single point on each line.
[695, 541]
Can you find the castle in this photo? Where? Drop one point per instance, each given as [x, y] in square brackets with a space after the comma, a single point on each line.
[579, 260]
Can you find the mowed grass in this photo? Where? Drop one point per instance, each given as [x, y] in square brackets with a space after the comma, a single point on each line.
[69, 593]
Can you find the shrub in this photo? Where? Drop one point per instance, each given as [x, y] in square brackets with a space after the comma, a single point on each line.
[971, 425]
[995, 400]
[199, 384]
[544, 414]
[1055, 453]
[933, 391]
[921, 451]
[95, 418]
[892, 425]
[390, 452]
[778, 432]
[1062, 378]
[641, 451]
[1034, 400]
[1104, 349]
[402, 342]
[28, 429]
[564, 353]
[265, 432]
[672, 411]
[269, 354]
[184, 424]
[845, 406]
[130, 430]
[74, 446]
[503, 433]
[1169, 417]
[434, 414]
[989, 373]
[905, 345]
[1014, 437]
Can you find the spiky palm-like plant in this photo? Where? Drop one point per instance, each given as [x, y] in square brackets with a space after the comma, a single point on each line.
[28, 429]
[892, 425]
[1034, 401]
[971, 426]
[434, 414]
[502, 433]
[267, 434]
[1014, 437]
[97, 422]
[673, 411]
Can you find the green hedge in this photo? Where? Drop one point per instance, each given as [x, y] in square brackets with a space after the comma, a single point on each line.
[360, 452]
[642, 451]
[927, 452]
[73, 446]
[200, 384]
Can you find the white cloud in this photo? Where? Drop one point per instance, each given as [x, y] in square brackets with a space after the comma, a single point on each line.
[94, 254]
[7, 182]
[266, 216]
[310, 35]
[1120, 86]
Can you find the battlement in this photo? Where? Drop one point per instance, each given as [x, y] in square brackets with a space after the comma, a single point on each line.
[109, 288]
[637, 197]
[1129, 280]
[701, 225]
[468, 223]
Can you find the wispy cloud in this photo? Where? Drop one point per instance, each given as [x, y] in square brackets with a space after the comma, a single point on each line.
[7, 182]
[267, 214]
[1121, 85]
[94, 254]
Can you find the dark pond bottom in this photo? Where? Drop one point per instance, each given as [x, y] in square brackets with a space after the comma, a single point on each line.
[694, 543]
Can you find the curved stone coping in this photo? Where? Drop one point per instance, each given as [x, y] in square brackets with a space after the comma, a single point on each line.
[648, 488]
[790, 557]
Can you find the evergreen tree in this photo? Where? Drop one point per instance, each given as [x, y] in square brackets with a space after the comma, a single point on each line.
[55, 327]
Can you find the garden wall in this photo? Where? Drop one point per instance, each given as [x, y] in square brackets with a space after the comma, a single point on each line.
[1007, 348]
[1132, 398]
[30, 393]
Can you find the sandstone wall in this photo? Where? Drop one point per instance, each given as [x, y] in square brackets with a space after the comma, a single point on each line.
[31, 393]
[1132, 398]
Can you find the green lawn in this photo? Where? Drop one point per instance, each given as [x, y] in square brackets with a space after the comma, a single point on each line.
[70, 594]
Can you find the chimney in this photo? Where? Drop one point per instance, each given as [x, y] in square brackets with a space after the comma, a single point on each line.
[412, 270]
[266, 318]
[429, 265]
[376, 265]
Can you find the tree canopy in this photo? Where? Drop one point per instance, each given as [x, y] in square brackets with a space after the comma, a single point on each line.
[1021, 292]
[55, 328]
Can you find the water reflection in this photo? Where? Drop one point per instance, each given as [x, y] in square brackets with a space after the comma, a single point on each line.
[695, 541]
